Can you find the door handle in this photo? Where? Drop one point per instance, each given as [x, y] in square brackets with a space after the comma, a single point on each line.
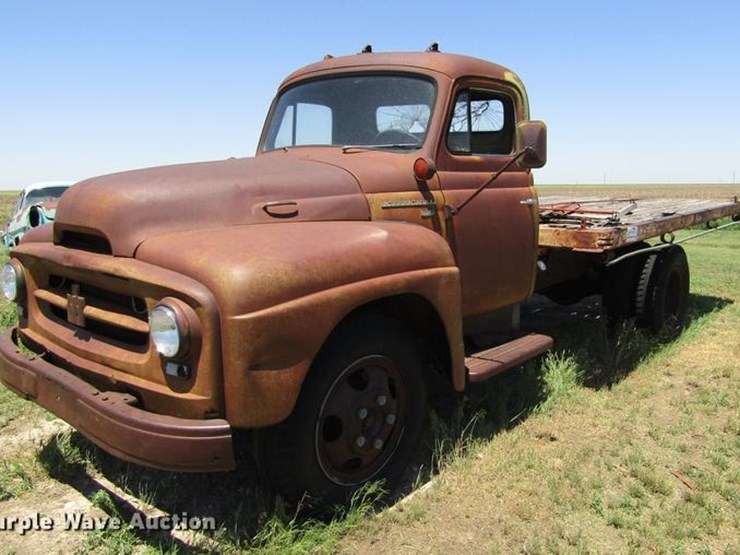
[530, 202]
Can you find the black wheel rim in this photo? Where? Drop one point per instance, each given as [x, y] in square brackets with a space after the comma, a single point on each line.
[361, 420]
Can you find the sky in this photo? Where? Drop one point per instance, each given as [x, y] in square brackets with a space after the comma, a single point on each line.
[632, 92]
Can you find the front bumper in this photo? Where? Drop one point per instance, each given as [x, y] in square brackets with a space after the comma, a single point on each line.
[111, 420]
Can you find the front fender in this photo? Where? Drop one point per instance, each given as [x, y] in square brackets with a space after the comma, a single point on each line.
[41, 234]
[283, 288]
[254, 267]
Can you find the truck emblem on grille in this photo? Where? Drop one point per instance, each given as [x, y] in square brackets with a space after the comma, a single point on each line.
[76, 307]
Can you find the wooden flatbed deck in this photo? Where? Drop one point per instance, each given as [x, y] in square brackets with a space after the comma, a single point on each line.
[592, 224]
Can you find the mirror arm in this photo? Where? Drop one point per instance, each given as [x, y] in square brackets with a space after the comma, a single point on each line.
[454, 210]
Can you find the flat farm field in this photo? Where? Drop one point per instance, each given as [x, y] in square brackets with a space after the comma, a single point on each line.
[693, 190]
[613, 443]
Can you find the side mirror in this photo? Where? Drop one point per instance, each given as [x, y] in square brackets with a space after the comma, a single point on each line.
[531, 136]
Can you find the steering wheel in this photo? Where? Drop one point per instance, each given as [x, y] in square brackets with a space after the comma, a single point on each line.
[396, 136]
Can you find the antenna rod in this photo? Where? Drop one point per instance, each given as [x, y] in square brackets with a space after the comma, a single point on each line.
[493, 178]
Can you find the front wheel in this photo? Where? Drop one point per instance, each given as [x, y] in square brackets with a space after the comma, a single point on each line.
[358, 417]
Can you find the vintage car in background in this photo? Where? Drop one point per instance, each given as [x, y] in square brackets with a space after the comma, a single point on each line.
[36, 205]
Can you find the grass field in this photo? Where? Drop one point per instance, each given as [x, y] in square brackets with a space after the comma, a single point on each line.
[697, 190]
[612, 443]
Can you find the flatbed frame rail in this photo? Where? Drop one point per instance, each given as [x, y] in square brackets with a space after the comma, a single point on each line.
[598, 225]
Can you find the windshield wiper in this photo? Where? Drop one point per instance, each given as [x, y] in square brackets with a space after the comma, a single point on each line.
[407, 146]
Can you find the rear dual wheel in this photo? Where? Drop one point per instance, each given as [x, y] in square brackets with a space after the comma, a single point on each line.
[653, 288]
[357, 419]
[620, 284]
[662, 296]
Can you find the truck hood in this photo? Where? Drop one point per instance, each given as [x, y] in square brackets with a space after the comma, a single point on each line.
[124, 209]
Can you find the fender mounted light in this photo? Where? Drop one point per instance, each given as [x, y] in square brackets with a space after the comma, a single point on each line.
[424, 169]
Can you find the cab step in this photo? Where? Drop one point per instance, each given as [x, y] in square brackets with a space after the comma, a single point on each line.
[488, 363]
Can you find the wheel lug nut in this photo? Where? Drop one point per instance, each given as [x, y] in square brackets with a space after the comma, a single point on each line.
[362, 413]
[360, 441]
[381, 400]
[378, 443]
[391, 419]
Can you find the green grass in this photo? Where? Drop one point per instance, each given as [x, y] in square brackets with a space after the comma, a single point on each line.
[11, 407]
[66, 456]
[15, 480]
[561, 376]
[283, 532]
[110, 541]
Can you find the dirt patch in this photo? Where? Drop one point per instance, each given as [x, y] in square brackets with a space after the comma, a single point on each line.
[54, 502]
[43, 502]
[25, 433]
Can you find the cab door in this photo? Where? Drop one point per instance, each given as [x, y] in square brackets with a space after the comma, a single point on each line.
[494, 237]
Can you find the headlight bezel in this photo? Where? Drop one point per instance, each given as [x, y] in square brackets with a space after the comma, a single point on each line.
[174, 343]
[17, 282]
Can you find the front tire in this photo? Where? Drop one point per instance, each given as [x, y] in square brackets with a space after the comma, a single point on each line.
[358, 417]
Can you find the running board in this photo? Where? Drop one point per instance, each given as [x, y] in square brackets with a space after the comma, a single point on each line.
[487, 364]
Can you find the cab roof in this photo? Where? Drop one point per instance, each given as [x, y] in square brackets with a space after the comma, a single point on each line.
[452, 65]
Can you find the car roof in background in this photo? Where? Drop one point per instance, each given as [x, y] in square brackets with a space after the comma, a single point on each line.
[47, 184]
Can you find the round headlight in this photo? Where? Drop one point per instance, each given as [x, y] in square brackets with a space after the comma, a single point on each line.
[12, 281]
[165, 330]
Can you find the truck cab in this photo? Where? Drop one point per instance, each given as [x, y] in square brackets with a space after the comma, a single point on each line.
[376, 114]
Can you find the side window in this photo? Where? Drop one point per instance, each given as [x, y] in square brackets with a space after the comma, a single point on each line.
[305, 124]
[482, 122]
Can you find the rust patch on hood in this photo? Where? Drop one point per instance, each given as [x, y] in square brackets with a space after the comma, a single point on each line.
[127, 208]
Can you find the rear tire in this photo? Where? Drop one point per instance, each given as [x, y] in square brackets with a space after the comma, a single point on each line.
[620, 285]
[358, 418]
[662, 295]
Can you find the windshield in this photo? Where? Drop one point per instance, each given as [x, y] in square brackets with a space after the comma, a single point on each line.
[46, 194]
[381, 111]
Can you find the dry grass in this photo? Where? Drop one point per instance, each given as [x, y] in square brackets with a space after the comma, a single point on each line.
[7, 202]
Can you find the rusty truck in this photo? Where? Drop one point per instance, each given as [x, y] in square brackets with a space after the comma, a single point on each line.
[308, 292]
